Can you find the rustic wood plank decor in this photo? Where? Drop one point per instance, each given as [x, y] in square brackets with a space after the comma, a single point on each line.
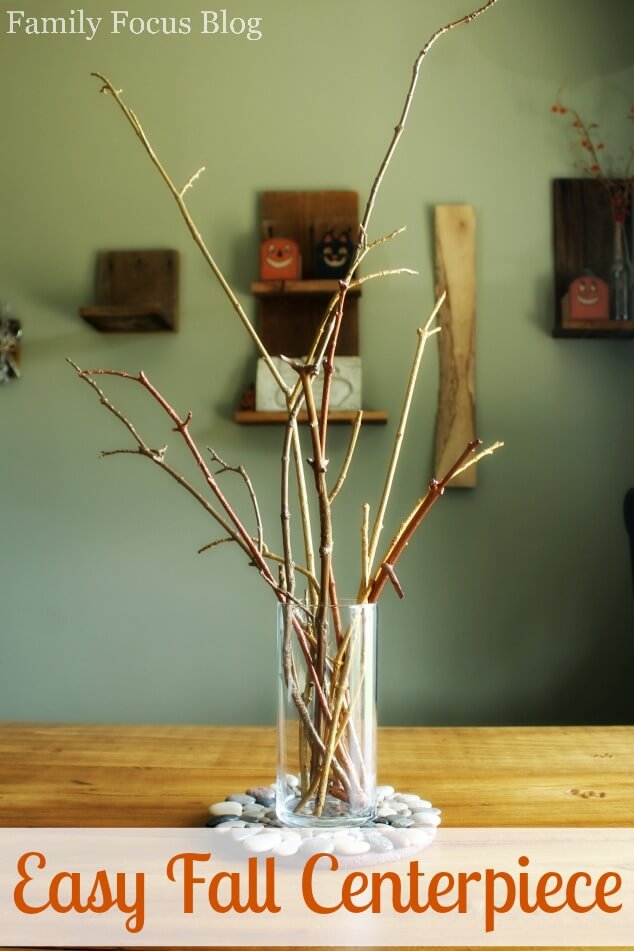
[288, 320]
[455, 272]
[136, 291]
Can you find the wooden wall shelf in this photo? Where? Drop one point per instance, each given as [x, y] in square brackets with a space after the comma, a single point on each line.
[583, 237]
[312, 287]
[596, 329]
[249, 417]
[137, 291]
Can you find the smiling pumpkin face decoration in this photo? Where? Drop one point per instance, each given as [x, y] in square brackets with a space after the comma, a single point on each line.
[280, 260]
[333, 254]
[588, 298]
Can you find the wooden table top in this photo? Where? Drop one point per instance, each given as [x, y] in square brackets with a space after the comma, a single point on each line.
[57, 775]
[167, 775]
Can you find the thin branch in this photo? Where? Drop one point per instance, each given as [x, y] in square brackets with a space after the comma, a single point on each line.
[241, 471]
[192, 227]
[191, 181]
[365, 560]
[400, 126]
[356, 427]
[386, 272]
[234, 526]
[299, 568]
[329, 368]
[405, 532]
[424, 333]
[215, 544]
[157, 457]
[480, 455]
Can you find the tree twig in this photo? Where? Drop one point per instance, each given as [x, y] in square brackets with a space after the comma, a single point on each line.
[356, 426]
[241, 471]
[424, 333]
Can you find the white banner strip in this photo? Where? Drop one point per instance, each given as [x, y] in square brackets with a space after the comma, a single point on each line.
[202, 887]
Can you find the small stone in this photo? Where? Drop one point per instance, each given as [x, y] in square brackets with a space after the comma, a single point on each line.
[398, 806]
[385, 809]
[242, 798]
[349, 845]
[401, 822]
[252, 820]
[253, 811]
[289, 845]
[382, 792]
[214, 821]
[262, 842]
[292, 780]
[263, 795]
[225, 809]
[379, 842]
[239, 835]
[409, 798]
[419, 838]
[400, 838]
[381, 820]
[421, 804]
[389, 818]
[320, 843]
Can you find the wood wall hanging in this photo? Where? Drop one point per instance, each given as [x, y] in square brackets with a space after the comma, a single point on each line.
[137, 291]
[455, 233]
[321, 225]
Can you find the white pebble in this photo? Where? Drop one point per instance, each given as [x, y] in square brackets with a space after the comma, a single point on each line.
[252, 812]
[382, 792]
[292, 780]
[263, 841]
[426, 819]
[226, 827]
[398, 807]
[320, 843]
[225, 809]
[385, 810]
[408, 798]
[349, 845]
[419, 838]
[399, 838]
[421, 804]
[289, 845]
[239, 835]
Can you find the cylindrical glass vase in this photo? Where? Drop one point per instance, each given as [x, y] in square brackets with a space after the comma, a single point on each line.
[326, 774]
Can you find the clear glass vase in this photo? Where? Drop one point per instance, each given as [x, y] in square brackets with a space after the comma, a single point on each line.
[326, 774]
[620, 275]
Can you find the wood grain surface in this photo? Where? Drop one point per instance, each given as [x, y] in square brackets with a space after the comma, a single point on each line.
[455, 273]
[167, 775]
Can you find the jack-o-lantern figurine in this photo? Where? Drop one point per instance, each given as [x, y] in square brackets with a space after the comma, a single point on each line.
[588, 298]
[333, 254]
[280, 260]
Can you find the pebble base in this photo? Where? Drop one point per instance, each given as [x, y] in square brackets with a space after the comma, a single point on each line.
[404, 824]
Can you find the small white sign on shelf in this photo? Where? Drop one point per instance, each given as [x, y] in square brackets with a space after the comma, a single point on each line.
[345, 392]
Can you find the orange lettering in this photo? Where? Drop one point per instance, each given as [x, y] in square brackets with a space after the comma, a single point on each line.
[307, 883]
[602, 894]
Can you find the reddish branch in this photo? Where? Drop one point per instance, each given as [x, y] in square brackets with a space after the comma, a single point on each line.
[404, 534]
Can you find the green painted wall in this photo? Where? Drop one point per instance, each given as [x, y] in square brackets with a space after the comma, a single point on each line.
[519, 605]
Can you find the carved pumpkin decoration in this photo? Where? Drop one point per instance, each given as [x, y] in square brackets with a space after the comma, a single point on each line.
[280, 260]
[333, 254]
[588, 298]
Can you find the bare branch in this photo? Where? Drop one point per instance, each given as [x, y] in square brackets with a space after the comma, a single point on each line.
[191, 181]
[365, 559]
[480, 455]
[356, 427]
[386, 272]
[241, 471]
[192, 227]
[423, 335]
